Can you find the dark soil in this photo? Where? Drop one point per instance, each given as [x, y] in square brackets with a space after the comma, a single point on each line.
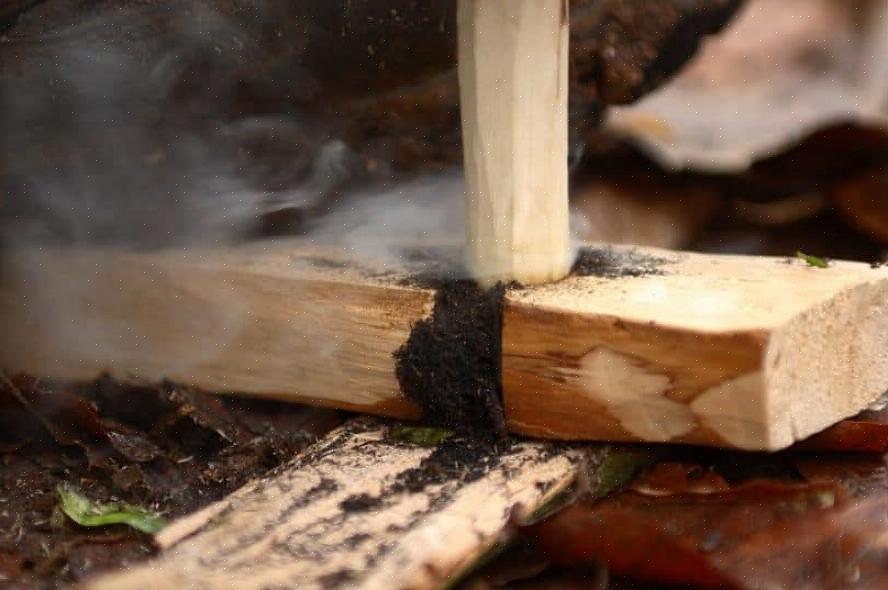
[168, 449]
[450, 364]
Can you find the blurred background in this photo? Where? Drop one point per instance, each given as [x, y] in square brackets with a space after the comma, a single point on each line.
[157, 123]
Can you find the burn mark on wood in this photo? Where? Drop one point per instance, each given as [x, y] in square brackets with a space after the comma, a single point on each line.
[450, 364]
[607, 263]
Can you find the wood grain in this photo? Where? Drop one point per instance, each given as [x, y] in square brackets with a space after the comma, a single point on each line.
[282, 320]
[737, 351]
[650, 345]
[341, 516]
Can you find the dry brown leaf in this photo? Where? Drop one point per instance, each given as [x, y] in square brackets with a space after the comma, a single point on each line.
[782, 70]
[756, 536]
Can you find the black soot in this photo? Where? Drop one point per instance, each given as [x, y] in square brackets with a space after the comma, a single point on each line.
[612, 264]
[450, 364]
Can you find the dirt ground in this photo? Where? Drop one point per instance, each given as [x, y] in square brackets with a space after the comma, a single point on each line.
[164, 448]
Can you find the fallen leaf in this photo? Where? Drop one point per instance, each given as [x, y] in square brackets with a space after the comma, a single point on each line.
[69, 419]
[617, 467]
[133, 445]
[208, 411]
[862, 475]
[72, 421]
[668, 478]
[757, 535]
[811, 260]
[866, 432]
[849, 435]
[782, 70]
[88, 513]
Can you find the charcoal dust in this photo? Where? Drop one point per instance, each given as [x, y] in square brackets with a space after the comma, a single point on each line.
[611, 264]
[450, 364]
[457, 459]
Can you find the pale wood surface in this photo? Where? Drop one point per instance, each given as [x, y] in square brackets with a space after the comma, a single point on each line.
[738, 351]
[292, 529]
[513, 62]
[732, 351]
[280, 319]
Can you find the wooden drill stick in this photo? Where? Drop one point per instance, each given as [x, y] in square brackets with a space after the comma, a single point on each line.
[513, 92]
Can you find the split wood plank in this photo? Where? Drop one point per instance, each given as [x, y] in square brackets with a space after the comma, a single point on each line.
[734, 351]
[513, 62]
[353, 512]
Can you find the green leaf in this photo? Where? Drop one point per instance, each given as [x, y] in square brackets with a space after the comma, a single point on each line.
[86, 512]
[815, 261]
[618, 468]
[420, 435]
[608, 469]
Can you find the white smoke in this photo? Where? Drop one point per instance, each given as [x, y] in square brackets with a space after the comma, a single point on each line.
[101, 154]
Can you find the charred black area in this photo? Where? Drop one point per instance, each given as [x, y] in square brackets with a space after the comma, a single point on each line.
[610, 264]
[360, 503]
[459, 459]
[433, 266]
[450, 364]
[338, 579]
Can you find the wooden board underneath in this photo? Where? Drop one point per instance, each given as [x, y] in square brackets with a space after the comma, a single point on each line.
[362, 511]
[281, 319]
[650, 345]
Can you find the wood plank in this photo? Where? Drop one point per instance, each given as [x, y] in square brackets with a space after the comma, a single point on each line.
[282, 319]
[736, 351]
[361, 511]
[732, 351]
[513, 61]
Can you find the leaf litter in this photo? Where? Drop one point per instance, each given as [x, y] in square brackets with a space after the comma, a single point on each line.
[88, 513]
[88, 469]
